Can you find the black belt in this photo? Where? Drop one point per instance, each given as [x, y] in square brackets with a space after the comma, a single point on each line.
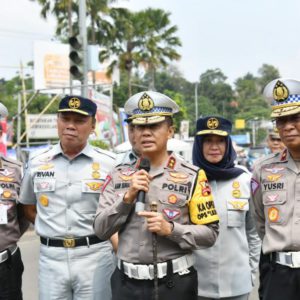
[71, 242]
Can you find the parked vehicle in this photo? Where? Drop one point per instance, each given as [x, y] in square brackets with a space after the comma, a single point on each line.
[254, 153]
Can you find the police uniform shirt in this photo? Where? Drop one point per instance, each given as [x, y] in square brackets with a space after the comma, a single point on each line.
[171, 187]
[276, 195]
[228, 268]
[65, 191]
[10, 179]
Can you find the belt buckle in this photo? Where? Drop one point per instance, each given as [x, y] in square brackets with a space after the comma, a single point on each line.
[295, 259]
[69, 243]
[144, 272]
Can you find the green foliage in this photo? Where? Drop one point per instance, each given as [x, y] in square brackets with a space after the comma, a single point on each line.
[99, 144]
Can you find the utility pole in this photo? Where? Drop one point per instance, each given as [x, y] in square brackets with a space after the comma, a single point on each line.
[83, 34]
[196, 101]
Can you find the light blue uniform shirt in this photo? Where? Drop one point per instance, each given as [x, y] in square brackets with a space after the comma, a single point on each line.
[65, 191]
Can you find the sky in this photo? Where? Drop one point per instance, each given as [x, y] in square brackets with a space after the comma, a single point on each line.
[236, 36]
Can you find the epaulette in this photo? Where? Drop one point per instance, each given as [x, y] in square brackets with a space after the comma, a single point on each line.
[105, 152]
[12, 161]
[39, 152]
[190, 166]
[269, 158]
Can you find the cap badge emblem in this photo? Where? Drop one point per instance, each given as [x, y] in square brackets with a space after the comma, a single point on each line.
[280, 91]
[212, 123]
[145, 103]
[74, 103]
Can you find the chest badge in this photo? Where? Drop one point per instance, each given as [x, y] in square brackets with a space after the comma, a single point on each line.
[171, 213]
[46, 167]
[94, 186]
[44, 200]
[172, 199]
[273, 214]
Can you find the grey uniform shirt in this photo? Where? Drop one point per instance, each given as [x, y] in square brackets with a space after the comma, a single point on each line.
[227, 269]
[276, 196]
[12, 225]
[171, 187]
[65, 191]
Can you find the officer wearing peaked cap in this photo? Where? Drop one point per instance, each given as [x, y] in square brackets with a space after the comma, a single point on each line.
[12, 226]
[232, 261]
[61, 189]
[275, 193]
[185, 219]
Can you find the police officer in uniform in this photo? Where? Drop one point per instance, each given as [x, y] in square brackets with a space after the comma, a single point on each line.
[274, 141]
[12, 226]
[276, 195]
[226, 270]
[63, 185]
[185, 219]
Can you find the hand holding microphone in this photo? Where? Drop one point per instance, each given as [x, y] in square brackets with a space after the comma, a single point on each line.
[139, 183]
[140, 201]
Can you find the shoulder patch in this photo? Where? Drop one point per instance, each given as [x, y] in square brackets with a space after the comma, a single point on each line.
[39, 152]
[190, 166]
[105, 152]
[12, 161]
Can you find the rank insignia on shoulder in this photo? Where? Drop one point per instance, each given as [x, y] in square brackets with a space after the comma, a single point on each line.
[283, 155]
[171, 162]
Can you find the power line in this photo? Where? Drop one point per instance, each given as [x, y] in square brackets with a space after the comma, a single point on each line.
[12, 33]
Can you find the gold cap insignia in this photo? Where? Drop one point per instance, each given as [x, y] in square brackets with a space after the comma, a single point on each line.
[145, 103]
[74, 103]
[212, 123]
[280, 91]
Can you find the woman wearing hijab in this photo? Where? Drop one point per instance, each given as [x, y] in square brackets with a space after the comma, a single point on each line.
[226, 270]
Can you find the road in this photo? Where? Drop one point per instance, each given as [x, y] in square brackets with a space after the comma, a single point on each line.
[29, 245]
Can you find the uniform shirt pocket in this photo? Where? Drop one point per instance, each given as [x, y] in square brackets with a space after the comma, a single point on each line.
[236, 211]
[174, 207]
[274, 206]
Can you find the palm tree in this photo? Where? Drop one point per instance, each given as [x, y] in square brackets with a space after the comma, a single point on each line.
[124, 43]
[159, 41]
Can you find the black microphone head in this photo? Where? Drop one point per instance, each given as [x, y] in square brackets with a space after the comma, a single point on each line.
[144, 164]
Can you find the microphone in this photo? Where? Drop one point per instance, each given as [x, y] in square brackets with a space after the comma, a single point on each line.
[140, 200]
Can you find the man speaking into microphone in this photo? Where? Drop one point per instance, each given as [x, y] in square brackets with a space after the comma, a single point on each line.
[185, 219]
